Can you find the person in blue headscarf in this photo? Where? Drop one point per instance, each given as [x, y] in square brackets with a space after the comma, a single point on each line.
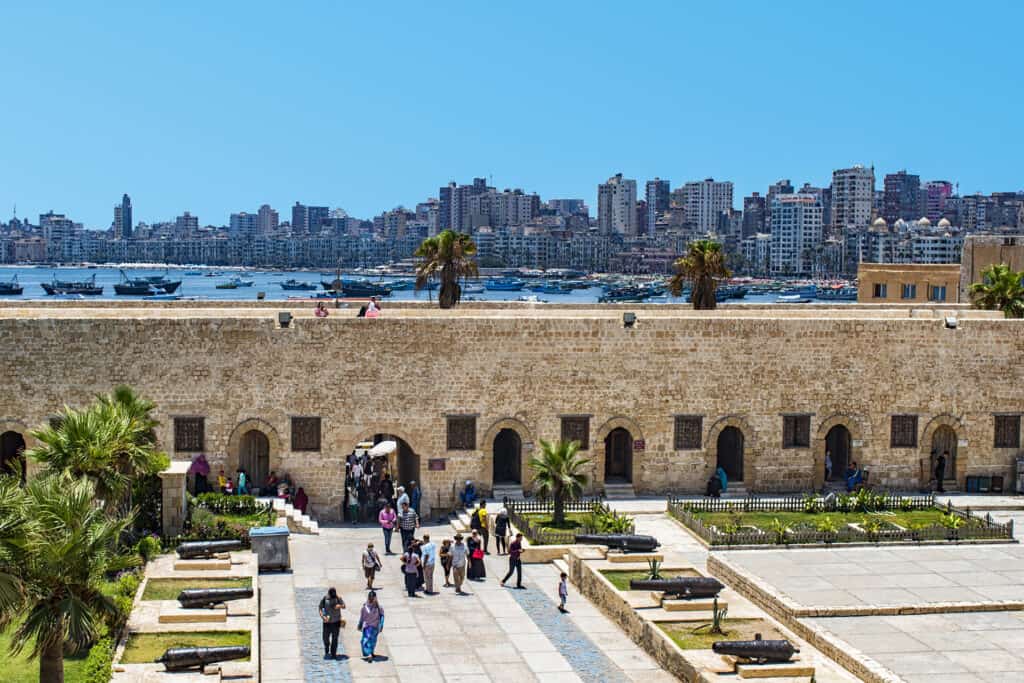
[720, 472]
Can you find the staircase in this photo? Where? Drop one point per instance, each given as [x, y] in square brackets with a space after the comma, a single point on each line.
[620, 491]
[294, 520]
[460, 520]
[511, 491]
[735, 491]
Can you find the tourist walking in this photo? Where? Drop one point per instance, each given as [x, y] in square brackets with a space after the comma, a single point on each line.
[387, 490]
[403, 497]
[408, 522]
[411, 569]
[477, 570]
[428, 555]
[243, 483]
[415, 497]
[828, 465]
[371, 565]
[387, 519]
[371, 623]
[446, 561]
[330, 611]
[353, 502]
[460, 559]
[501, 529]
[515, 564]
[940, 471]
[485, 526]
[563, 591]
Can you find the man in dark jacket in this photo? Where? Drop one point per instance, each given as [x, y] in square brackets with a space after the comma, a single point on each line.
[330, 611]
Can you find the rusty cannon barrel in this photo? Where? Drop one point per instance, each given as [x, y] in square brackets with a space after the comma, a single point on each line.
[629, 543]
[194, 550]
[184, 658]
[757, 650]
[208, 597]
[686, 587]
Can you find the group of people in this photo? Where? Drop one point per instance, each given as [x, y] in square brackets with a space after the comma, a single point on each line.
[371, 309]
[371, 621]
[717, 484]
[369, 489]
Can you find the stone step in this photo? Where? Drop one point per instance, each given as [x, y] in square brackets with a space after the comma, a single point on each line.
[512, 492]
[619, 491]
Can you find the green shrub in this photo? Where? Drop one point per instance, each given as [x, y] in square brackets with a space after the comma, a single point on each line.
[844, 502]
[99, 664]
[827, 525]
[231, 505]
[952, 521]
[778, 530]
[148, 547]
[906, 505]
[812, 504]
[128, 584]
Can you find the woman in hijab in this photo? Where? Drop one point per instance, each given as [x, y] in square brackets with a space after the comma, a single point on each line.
[301, 500]
[371, 622]
[477, 571]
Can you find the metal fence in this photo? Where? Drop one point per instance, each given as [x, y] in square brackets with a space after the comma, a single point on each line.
[836, 503]
[518, 509]
[974, 527]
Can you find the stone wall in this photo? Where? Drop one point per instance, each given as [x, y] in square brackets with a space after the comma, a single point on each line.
[403, 375]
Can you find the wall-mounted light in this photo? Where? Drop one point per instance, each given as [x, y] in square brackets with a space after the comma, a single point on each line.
[285, 318]
[951, 322]
[629, 319]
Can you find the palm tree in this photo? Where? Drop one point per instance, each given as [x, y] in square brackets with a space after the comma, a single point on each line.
[112, 442]
[12, 541]
[447, 256]
[70, 544]
[1000, 289]
[557, 474]
[704, 261]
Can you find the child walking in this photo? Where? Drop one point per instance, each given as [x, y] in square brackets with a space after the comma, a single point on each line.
[563, 592]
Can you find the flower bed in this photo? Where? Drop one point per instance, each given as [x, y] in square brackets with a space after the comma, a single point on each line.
[586, 517]
[219, 517]
[865, 517]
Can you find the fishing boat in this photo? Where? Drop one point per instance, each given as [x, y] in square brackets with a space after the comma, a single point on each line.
[806, 291]
[792, 299]
[504, 284]
[358, 287]
[472, 289]
[293, 285]
[230, 284]
[235, 283]
[85, 287]
[625, 294]
[162, 282]
[11, 287]
[847, 293]
[133, 287]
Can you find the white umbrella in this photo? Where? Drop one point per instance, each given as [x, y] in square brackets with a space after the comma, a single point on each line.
[383, 448]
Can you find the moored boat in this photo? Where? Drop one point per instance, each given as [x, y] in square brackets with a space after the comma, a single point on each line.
[85, 287]
[293, 284]
[11, 287]
[504, 284]
[357, 287]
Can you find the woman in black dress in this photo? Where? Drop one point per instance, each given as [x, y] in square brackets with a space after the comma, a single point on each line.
[477, 571]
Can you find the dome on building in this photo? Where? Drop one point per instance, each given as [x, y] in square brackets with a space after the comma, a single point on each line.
[900, 224]
[944, 223]
[924, 222]
[880, 223]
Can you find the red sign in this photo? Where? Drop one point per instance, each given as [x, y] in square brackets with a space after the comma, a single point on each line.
[436, 464]
[638, 445]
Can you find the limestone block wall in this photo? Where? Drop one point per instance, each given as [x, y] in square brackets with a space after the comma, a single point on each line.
[403, 375]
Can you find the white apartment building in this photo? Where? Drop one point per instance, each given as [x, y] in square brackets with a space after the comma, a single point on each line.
[616, 206]
[853, 192]
[796, 233]
[704, 201]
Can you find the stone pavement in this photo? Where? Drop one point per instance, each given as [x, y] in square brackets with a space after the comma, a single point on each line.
[495, 634]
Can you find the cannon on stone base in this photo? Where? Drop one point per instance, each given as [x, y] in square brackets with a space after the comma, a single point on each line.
[757, 650]
[195, 550]
[627, 543]
[685, 587]
[208, 597]
[184, 658]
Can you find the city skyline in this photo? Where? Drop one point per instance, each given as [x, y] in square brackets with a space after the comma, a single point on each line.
[166, 104]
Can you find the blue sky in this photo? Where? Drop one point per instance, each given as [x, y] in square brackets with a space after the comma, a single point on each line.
[219, 107]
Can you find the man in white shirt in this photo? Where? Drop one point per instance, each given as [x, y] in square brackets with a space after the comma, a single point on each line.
[428, 555]
[403, 498]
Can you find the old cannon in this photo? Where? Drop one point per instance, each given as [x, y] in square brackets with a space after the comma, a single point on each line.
[629, 543]
[685, 587]
[757, 650]
[208, 597]
[202, 549]
[183, 658]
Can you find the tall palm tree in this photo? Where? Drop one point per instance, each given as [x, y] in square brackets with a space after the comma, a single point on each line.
[704, 261]
[557, 474]
[112, 442]
[1000, 289]
[449, 257]
[70, 544]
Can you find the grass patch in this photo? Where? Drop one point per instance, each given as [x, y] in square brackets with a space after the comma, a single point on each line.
[573, 521]
[21, 669]
[620, 578]
[255, 519]
[682, 633]
[763, 520]
[168, 589]
[144, 648]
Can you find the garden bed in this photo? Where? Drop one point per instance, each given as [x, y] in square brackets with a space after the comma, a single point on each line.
[168, 589]
[620, 578]
[144, 648]
[683, 633]
[534, 520]
[865, 517]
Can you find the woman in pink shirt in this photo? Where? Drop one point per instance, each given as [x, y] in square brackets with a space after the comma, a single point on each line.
[387, 519]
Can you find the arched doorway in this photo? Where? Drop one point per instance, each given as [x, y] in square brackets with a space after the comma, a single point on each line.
[406, 465]
[618, 456]
[254, 457]
[508, 449]
[730, 453]
[838, 445]
[944, 441]
[12, 454]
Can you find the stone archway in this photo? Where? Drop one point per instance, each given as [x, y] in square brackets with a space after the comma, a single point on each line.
[833, 428]
[12, 454]
[16, 436]
[729, 453]
[618, 456]
[749, 447]
[602, 444]
[508, 457]
[490, 447]
[944, 432]
[406, 463]
[254, 443]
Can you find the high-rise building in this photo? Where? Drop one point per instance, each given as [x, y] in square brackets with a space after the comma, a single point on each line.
[775, 189]
[309, 219]
[657, 198]
[704, 201]
[853, 194]
[454, 212]
[267, 220]
[901, 197]
[753, 214]
[123, 218]
[616, 206]
[937, 193]
[824, 195]
[568, 207]
[242, 225]
[796, 233]
[186, 224]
